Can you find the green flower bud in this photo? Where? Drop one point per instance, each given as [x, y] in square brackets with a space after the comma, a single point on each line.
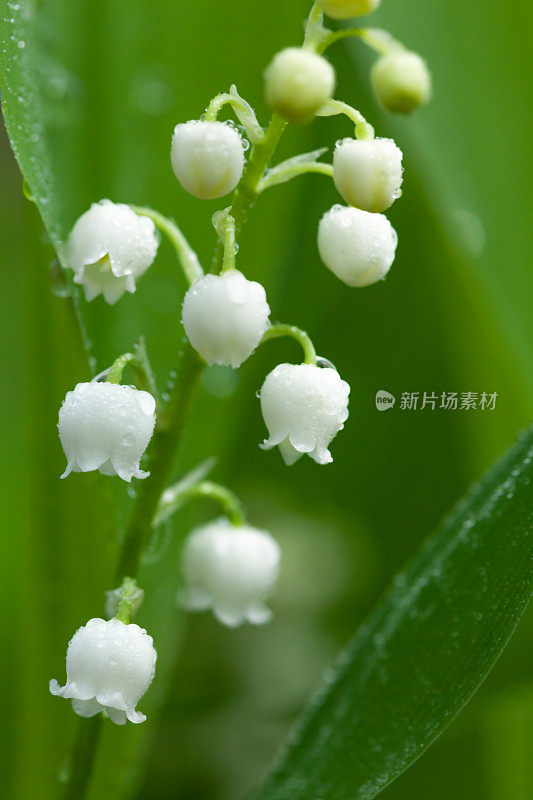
[401, 81]
[298, 83]
[343, 9]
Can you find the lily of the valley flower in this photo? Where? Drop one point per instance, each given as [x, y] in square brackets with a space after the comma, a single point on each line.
[297, 83]
[357, 246]
[109, 248]
[304, 407]
[225, 317]
[110, 665]
[401, 81]
[106, 427]
[368, 173]
[207, 157]
[230, 570]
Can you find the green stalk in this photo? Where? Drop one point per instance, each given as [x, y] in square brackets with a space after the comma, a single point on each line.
[281, 329]
[187, 258]
[178, 496]
[164, 446]
[247, 191]
[168, 434]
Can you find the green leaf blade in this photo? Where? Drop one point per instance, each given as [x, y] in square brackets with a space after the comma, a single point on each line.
[426, 649]
[27, 112]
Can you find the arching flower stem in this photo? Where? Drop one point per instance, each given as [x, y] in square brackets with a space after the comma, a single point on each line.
[280, 329]
[242, 109]
[363, 129]
[187, 258]
[176, 496]
[138, 361]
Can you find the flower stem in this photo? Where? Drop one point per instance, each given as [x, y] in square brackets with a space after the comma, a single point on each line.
[186, 256]
[117, 368]
[228, 259]
[281, 329]
[138, 361]
[168, 434]
[243, 111]
[129, 597]
[378, 40]
[142, 369]
[167, 438]
[247, 191]
[176, 496]
[363, 129]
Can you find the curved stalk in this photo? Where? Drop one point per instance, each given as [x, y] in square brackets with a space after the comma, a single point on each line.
[281, 329]
[176, 496]
[186, 256]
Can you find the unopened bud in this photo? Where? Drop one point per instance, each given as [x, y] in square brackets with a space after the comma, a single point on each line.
[368, 173]
[297, 83]
[401, 81]
[358, 247]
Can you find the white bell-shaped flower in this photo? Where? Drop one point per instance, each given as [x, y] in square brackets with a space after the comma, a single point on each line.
[231, 570]
[368, 173]
[109, 248]
[225, 317]
[357, 246]
[207, 158]
[106, 426]
[304, 407]
[401, 81]
[297, 83]
[110, 665]
[344, 9]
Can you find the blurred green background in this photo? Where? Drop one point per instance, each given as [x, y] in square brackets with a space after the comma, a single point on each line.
[454, 315]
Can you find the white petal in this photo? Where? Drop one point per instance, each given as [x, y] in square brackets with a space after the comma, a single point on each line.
[106, 426]
[225, 317]
[231, 569]
[259, 615]
[289, 453]
[86, 708]
[207, 157]
[304, 407]
[117, 716]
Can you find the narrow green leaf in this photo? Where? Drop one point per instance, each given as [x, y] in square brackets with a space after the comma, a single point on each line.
[26, 110]
[424, 651]
[29, 103]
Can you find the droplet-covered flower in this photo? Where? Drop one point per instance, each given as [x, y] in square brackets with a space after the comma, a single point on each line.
[225, 316]
[297, 83]
[368, 173]
[357, 246]
[304, 407]
[344, 9]
[106, 426]
[109, 248]
[401, 81]
[231, 570]
[207, 158]
[110, 665]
